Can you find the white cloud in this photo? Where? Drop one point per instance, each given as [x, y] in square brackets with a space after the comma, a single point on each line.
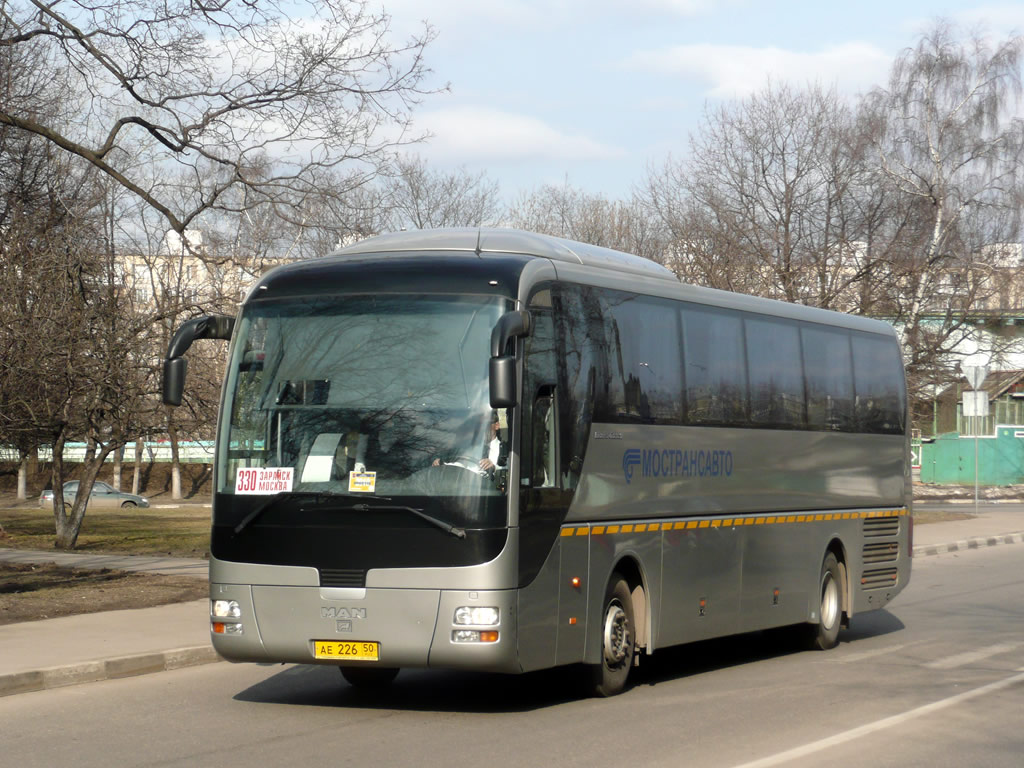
[473, 134]
[736, 71]
[460, 19]
[679, 7]
[1000, 19]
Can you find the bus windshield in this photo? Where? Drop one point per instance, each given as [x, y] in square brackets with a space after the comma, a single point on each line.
[365, 396]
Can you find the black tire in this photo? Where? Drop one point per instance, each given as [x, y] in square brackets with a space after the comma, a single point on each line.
[369, 678]
[129, 505]
[825, 634]
[618, 640]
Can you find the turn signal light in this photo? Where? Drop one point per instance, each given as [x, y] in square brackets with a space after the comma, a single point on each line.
[474, 636]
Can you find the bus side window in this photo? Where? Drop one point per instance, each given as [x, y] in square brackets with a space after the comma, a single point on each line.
[544, 470]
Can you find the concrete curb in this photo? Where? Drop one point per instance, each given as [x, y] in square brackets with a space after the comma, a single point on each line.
[107, 669]
[973, 543]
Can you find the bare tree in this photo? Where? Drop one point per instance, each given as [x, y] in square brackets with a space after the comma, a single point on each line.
[567, 211]
[316, 85]
[761, 203]
[949, 155]
[67, 370]
[418, 197]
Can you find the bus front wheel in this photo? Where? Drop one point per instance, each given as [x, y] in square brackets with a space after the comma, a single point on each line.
[618, 640]
[825, 633]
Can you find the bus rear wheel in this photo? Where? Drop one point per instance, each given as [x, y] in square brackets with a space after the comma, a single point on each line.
[369, 678]
[825, 633]
[618, 640]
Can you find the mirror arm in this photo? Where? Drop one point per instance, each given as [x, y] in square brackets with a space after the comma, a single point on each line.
[502, 367]
[511, 325]
[208, 327]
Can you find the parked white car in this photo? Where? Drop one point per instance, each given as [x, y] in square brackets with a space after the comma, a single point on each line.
[102, 495]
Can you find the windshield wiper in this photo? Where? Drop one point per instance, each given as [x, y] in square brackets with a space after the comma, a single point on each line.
[446, 527]
[279, 497]
[321, 497]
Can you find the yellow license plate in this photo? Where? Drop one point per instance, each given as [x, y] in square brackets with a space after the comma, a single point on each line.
[346, 651]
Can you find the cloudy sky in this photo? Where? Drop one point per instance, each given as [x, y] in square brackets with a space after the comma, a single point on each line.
[594, 91]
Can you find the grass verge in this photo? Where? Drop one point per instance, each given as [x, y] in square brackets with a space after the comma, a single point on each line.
[181, 532]
[47, 591]
[926, 516]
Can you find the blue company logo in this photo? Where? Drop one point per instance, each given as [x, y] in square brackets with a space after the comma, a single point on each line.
[669, 462]
[630, 460]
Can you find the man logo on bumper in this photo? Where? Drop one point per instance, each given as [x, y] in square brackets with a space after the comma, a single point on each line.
[342, 613]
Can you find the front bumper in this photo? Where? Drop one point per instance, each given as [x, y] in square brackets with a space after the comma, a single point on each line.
[413, 627]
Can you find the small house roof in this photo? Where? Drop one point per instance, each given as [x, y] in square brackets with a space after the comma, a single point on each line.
[996, 384]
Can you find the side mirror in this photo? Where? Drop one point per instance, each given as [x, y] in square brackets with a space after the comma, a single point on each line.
[502, 367]
[175, 366]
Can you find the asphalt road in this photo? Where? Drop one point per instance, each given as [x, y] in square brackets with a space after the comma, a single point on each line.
[937, 680]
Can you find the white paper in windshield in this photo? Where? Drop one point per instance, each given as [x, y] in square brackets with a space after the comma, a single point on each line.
[263, 480]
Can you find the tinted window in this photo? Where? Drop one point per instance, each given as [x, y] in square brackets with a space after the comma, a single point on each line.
[715, 371]
[829, 379]
[644, 358]
[878, 384]
[775, 373]
[583, 366]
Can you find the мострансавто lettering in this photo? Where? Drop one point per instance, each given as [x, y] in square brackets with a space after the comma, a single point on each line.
[669, 462]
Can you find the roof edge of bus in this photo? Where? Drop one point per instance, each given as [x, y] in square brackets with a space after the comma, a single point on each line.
[480, 240]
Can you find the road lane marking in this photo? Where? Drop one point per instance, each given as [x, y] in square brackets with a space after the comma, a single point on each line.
[962, 659]
[876, 652]
[879, 725]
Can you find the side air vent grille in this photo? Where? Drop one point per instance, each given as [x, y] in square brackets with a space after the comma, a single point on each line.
[881, 526]
[342, 577]
[878, 578]
[881, 552]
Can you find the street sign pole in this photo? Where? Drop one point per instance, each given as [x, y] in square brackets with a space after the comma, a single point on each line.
[975, 375]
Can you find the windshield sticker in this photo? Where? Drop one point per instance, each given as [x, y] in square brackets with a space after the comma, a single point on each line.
[362, 482]
[263, 480]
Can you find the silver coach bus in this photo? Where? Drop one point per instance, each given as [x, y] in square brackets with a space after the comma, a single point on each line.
[494, 450]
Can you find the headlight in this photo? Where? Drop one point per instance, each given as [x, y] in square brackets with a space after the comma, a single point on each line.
[226, 609]
[479, 616]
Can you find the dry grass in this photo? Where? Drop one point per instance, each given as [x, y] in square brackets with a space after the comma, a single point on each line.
[47, 591]
[181, 532]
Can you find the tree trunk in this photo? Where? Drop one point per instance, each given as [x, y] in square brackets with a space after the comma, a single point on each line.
[172, 432]
[69, 522]
[117, 470]
[60, 518]
[23, 477]
[137, 472]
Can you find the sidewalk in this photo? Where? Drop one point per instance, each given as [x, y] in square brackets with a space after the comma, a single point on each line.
[52, 653]
[993, 525]
[101, 646]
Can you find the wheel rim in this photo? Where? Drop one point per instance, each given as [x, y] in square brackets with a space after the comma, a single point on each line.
[829, 601]
[617, 638]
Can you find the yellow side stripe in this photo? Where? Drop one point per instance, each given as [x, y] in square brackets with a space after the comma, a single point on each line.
[729, 522]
